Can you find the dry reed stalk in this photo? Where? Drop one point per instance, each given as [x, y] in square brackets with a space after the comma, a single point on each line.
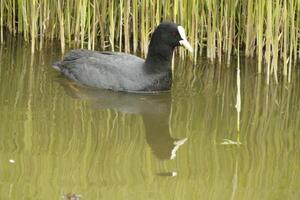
[267, 29]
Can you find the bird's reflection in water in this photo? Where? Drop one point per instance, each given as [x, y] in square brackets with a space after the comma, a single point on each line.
[154, 108]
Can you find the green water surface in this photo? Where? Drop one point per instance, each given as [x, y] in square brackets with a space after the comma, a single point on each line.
[58, 139]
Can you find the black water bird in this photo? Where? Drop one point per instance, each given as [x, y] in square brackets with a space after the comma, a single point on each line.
[125, 72]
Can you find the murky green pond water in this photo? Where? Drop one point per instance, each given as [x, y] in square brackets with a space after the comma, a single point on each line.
[58, 139]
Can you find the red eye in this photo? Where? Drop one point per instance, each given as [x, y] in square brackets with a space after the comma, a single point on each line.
[174, 33]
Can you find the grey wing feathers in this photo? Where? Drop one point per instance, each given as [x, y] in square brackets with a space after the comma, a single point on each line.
[101, 69]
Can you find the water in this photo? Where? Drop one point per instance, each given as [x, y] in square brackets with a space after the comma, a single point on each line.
[62, 141]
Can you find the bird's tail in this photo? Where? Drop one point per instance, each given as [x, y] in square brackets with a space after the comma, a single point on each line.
[57, 65]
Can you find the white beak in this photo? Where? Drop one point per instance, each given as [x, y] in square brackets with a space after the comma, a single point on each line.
[184, 41]
[186, 44]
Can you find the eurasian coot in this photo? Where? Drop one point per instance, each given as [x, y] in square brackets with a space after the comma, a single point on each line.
[125, 72]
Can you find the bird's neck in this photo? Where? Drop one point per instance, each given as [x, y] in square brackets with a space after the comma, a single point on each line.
[159, 56]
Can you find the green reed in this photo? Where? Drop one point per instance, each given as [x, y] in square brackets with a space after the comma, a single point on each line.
[268, 30]
[1, 21]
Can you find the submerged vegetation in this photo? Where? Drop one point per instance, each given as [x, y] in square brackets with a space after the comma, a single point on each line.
[267, 30]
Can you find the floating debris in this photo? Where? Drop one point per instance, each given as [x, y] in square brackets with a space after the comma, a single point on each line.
[167, 174]
[72, 196]
[12, 161]
[230, 142]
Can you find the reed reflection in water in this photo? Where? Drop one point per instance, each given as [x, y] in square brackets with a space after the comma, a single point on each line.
[59, 138]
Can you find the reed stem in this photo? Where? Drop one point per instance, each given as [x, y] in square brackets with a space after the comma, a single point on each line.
[267, 29]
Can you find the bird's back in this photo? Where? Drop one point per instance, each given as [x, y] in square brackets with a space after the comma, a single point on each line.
[109, 70]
